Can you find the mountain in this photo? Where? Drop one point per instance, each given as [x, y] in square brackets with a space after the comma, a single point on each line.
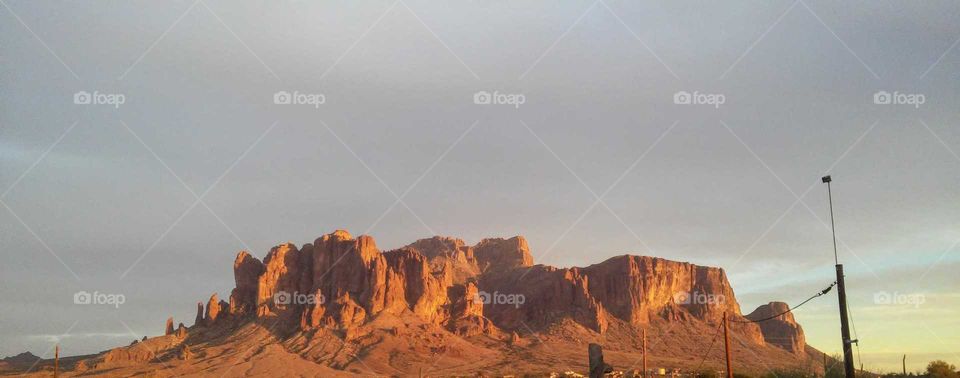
[340, 306]
[25, 357]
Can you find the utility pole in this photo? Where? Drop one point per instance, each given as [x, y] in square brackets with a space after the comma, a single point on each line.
[56, 362]
[841, 294]
[726, 344]
[643, 345]
[904, 365]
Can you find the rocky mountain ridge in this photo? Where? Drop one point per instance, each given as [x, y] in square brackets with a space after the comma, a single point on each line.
[339, 306]
[342, 282]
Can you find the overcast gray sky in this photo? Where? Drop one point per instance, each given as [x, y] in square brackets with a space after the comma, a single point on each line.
[93, 198]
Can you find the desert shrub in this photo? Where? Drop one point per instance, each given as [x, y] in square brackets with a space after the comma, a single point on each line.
[835, 367]
[781, 373]
[941, 369]
[707, 374]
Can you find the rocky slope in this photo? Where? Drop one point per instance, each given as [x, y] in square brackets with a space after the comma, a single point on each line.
[782, 330]
[342, 304]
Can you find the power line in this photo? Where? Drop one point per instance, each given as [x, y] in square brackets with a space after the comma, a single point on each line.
[855, 335]
[717, 332]
[710, 349]
[822, 292]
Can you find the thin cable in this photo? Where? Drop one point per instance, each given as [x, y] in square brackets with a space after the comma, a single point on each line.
[710, 349]
[855, 335]
[822, 292]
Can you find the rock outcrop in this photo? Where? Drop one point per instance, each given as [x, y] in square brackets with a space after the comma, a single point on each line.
[181, 331]
[246, 273]
[502, 254]
[340, 281]
[539, 296]
[214, 309]
[152, 350]
[199, 319]
[169, 328]
[783, 330]
[634, 287]
[279, 281]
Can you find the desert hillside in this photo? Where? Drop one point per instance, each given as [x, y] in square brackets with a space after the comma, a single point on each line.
[438, 307]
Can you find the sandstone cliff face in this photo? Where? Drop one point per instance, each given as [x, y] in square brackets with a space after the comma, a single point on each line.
[342, 282]
[467, 311]
[246, 273]
[214, 309]
[279, 282]
[423, 293]
[547, 294]
[443, 246]
[502, 254]
[782, 331]
[634, 287]
[450, 258]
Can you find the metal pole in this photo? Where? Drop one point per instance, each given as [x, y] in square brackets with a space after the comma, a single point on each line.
[643, 345]
[726, 344]
[833, 228]
[849, 370]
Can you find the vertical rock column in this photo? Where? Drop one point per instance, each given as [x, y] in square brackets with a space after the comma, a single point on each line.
[199, 320]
